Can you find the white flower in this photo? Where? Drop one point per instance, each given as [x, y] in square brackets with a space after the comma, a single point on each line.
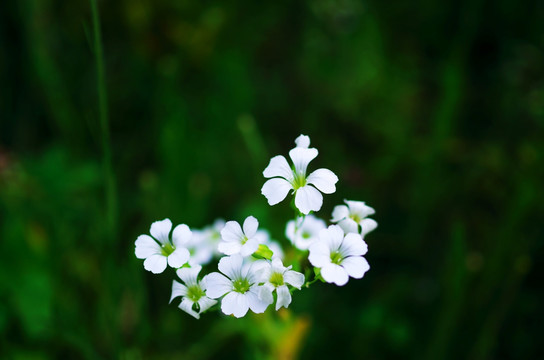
[212, 235]
[236, 241]
[339, 256]
[157, 253]
[353, 215]
[240, 287]
[306, 233]
[305, 188]
[276, 277]
[194, 300]
[200, 248]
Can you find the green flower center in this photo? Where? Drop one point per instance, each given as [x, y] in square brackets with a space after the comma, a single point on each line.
[336, 257]
[195, 292]
[306, 235]
[298, 181]
[276, 279]
[244, 240]
[241, 285]
[167, 249]
[355, 218]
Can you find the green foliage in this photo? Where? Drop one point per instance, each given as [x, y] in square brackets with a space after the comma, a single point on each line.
[431, 112]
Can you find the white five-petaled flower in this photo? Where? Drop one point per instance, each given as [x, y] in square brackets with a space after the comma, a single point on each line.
[238, 241]
[339, 256]
[276, 277]
[240, 287]
[303, 235]
[157, 253]
[305, 188]
[193, 294]
[352, 215]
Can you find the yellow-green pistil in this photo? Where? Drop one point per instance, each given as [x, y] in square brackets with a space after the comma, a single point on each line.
[167, 249]
[276, 279]
[336, 257]
[299, 180]
[241, 285]
[355, 218]
[195, 292]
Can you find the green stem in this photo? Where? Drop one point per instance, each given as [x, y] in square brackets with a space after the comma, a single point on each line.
[109, 177]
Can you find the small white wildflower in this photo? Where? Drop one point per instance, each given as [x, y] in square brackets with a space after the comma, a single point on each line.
[306, 233]
[305, 188]
[200, 248]
[236, 241]
[276, 277]
[193, 294]
[159, 250]
[240, 287]
[339, 256]
[352, 215]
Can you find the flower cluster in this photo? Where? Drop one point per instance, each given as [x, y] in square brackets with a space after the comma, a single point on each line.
[251, 272]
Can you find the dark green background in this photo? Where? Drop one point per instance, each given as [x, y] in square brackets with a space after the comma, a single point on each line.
[431, 112]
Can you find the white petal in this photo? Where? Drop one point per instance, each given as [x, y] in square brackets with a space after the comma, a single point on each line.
[278, 167]
[178, 289]
[301, 158]
[284, 297]
[290, 230]
[367, 225]
[161, 229]
[265, 293]
[320, 254]
[277, 265]
[256, 305]
[349, 225]
[205, 303]
[323, 179]
[277, 251]
[232, 232]
[217, 285]
[189, 275]
[359, 208]
[333, 273]
[229, 248]
[250, 226]
[146, 246]
[249, 247]
[333, 236]
[353, 245]
[155, 263]
[231, 266]
[187, 306]
[235, 304]
[275, 190]
[179, 257]
[356, 266]
[303, 141]
[339, 212]
[181, 235]
[294, 278]
[308, 199]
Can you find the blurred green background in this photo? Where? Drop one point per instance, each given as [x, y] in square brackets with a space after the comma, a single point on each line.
[431, 112]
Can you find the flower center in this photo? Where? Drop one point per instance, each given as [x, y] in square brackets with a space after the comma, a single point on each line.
[336, 257]
[241, 285]
[276, 279]
[167, 249]
[195, 293]
[244, 240]
[306, 235]
[298, 181]
[355, 218]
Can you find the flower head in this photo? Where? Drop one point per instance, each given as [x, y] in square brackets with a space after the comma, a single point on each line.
[306, 188]
[303, 235]
[276, 277]
[240, 287]
[339, 256]
[352, 215]
[194, 300]
[238, 241]
[159, 250]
